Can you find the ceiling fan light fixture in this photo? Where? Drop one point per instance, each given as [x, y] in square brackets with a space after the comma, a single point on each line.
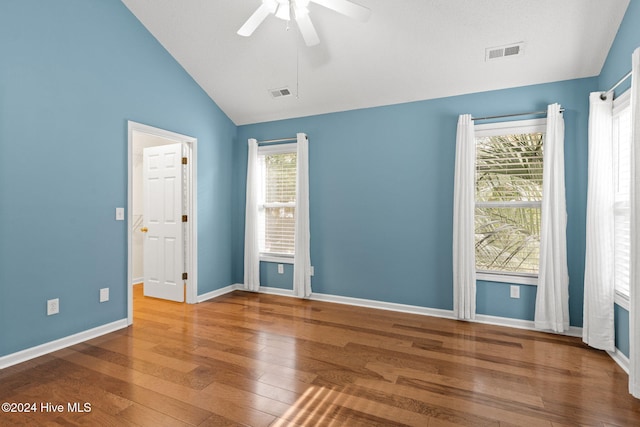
[284, 11]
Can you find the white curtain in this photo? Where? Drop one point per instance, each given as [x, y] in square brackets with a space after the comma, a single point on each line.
[251, 247]
[599, 290]
[552, 298]
[302, 257]
[464, 255]
[634, 279]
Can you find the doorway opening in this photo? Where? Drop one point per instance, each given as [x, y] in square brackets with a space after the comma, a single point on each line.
[141, 137]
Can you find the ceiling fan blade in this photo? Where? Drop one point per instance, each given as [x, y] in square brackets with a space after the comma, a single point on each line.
[265, 9]
[307, 29]
[346, 8]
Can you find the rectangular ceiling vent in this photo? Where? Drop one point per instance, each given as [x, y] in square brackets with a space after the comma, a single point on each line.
[499, 52]
[279, 93]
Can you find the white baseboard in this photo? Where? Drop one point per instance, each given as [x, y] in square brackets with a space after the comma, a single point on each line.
[137, 280]
[46, 348]
[219, 292]
[620, 359]
[574, 331]
[277, 291]
[382, 305]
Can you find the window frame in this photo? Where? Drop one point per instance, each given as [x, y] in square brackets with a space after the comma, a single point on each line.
[620, 104]
[505, 128]
[264, 150]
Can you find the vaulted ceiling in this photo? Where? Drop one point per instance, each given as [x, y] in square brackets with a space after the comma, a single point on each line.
[408, 50]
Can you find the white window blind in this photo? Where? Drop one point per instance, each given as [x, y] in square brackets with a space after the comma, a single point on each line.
[277, 199]
[508, 197]
[622, 181]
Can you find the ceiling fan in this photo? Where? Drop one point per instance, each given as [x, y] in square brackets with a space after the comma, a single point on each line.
[283, 9]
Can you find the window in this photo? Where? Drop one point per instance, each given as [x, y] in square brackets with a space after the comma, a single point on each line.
[277, 201]
[508, 200]
[621, 128]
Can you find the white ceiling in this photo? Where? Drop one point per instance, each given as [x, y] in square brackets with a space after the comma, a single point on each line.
[409, 50]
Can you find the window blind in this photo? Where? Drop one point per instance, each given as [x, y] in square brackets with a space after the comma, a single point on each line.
[278, 204]
[622, 211]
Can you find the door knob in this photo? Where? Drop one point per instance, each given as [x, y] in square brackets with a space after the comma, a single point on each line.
[144, 229]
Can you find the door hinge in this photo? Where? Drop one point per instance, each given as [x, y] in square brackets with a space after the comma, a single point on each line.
[184, 218]
[184, 161]
[185, 276]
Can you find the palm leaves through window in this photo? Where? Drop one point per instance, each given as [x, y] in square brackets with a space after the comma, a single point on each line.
[508, 202]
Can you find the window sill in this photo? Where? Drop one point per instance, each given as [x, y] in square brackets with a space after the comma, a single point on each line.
[507, 278]
[280, 259]
[622, 300]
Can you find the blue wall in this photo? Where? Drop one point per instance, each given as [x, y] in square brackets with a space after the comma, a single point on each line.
[621, 318]
[381, 185]
[618, 64]
[381, 178]
[72, 72]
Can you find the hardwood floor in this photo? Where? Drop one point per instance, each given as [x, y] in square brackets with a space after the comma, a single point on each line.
[264, 360]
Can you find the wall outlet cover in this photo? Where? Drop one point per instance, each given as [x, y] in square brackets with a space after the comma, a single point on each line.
[104, 294]
[515, 291]
[53, 306]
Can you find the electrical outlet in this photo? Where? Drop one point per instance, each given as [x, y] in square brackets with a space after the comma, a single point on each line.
[53, 306]
[515, 291]
[311, 271]
[104, 294]
[280, 269]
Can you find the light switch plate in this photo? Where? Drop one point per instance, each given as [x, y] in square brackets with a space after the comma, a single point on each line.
[104, 294]
[119, 214]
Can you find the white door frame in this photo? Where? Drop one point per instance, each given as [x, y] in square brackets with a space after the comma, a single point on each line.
[191, 232]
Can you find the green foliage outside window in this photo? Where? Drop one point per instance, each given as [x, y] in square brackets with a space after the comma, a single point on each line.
[508, 201]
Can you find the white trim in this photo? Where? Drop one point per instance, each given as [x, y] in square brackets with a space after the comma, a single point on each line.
[513, 279]
[382, 305]
[279, 259]
[192, 237]
[276, 291]
[277, 149]
[620, 359]
[622, 300]
[516, 126]
[220, 292]
[51, 346]
[621, 102]
[574, 331]
[137, 280]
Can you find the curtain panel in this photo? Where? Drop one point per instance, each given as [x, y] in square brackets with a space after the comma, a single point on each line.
[464, 255]
[251, 246]
[599, 284]
[302, 256]
[552, 297]
[634, 273]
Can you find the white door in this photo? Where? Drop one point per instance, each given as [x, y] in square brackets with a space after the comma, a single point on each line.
[162, 226]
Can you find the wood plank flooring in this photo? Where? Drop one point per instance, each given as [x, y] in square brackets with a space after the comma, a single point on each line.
[264, 360]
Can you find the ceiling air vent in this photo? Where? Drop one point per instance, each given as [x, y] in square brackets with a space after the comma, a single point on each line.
[279, 93]
[514, 49]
